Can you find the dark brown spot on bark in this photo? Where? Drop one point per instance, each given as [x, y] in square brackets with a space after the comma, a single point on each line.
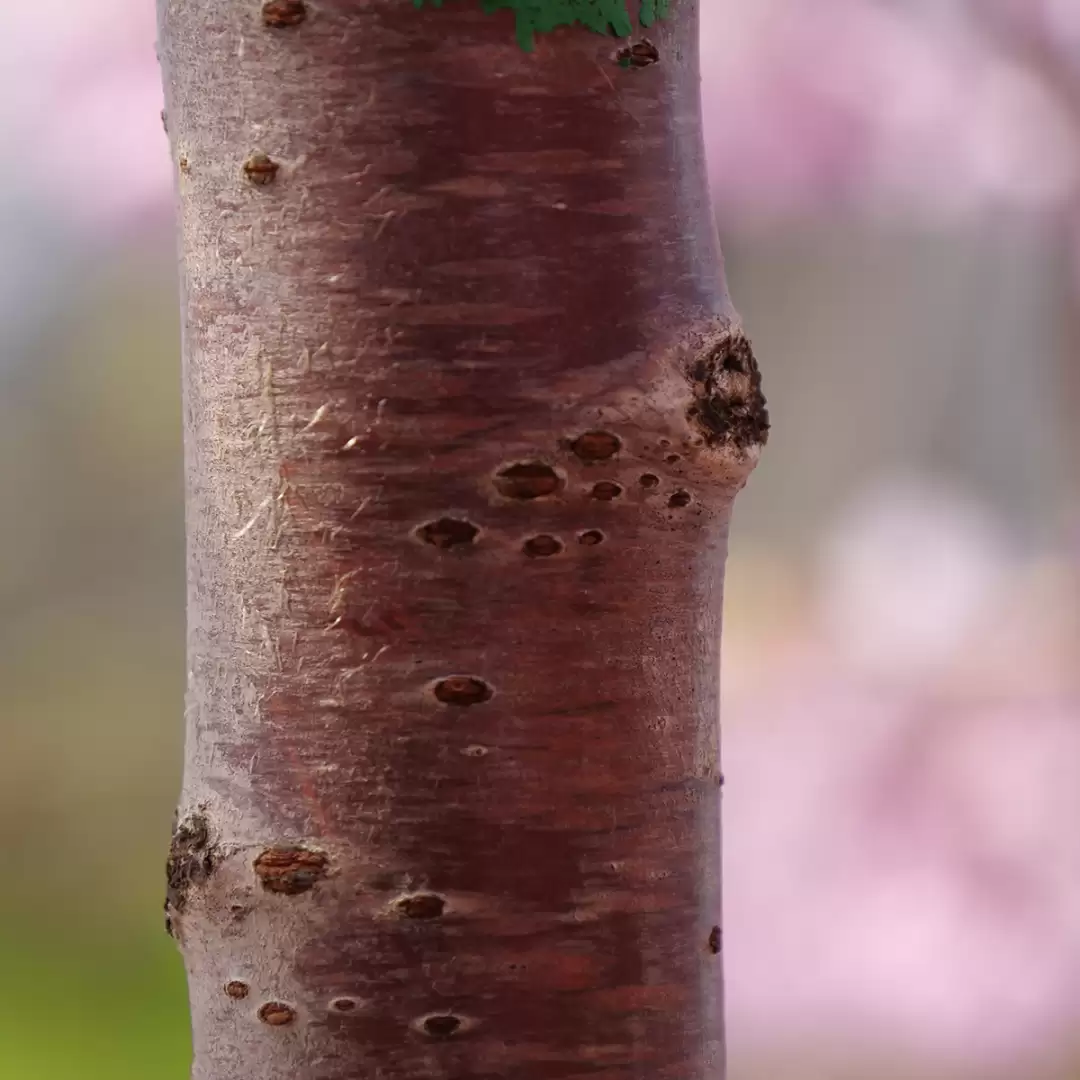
[165, 121]
[606, 490]
[476, 751]
[729, 407]
[420, 906]
[462, 690]
[183, 164]
[673, 459]
[596, 446]
[261, 169]
[281, 13]
[448, 533]
[715, 941]
[591, 537]
[441, 1025]
[641, 54]
[541, 547]
[649, 480]
[679, 499]
[237, 990]
[190, 863]
[276, 1014]
[344, 1004]
[290, 870]
[527, 480]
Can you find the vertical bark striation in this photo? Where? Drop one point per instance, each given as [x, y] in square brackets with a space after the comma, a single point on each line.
[466, 408]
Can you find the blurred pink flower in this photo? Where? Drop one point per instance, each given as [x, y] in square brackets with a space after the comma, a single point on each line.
[902, 876]
[844, 101]
[80, 108]
[902, 873]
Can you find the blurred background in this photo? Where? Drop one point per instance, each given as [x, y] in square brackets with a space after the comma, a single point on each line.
[898, 192]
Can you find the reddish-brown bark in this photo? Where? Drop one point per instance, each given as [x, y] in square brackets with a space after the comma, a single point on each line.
[466, 409]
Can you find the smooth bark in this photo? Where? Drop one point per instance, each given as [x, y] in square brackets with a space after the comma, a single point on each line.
[466, 409]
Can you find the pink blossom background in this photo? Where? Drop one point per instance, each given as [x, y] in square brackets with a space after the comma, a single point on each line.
[902, 744]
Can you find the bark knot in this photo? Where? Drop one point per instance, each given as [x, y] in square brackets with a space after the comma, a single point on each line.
[728, 408]
[715, 941]
[191, 861]
[641, 54]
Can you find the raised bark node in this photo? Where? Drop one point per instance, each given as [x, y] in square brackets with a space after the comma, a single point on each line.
[290, 870]
[641, 54]
[261, 169]
[729, 408]
[190, 863]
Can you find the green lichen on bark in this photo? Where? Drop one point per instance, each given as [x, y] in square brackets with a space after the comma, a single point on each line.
[603, 16]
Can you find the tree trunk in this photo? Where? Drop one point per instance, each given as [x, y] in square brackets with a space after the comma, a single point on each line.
[466, 409]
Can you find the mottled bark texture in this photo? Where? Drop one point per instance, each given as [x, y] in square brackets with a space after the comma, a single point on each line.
[466, 409]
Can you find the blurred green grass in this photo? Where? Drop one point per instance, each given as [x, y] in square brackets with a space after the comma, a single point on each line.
[91, 1001]
[91, 681]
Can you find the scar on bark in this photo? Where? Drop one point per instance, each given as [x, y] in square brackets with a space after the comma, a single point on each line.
[261, 169]
[420, 906]
[191, 861]
[641, 54]
[282, 13]
[277, 1013]
[290, 870]
[729, 409]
